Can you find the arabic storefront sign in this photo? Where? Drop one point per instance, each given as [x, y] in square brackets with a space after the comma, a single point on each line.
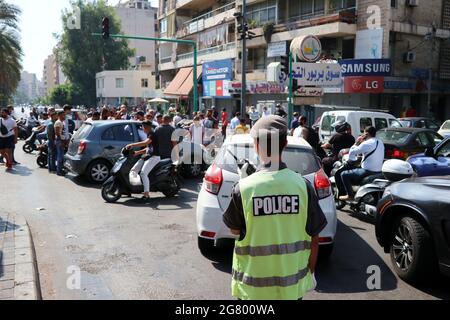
[277, 49]
[366, 67]
[307, 48]
[260, 87]
[364, 84]
[309, 92]
[217, 76]
[317, 74]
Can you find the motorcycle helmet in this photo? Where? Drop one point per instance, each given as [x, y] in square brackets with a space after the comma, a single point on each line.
[341, 126]
[396, 170]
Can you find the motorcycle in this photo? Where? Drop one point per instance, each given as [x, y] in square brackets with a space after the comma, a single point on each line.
[42, 159]
[23, 130]
[371, 188]
[30, 143]
[164, 178]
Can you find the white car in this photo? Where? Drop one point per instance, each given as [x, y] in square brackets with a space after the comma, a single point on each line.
[222, 175]
[445, 129]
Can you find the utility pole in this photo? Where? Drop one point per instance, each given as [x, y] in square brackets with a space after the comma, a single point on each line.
[430, 66]
[244, 60]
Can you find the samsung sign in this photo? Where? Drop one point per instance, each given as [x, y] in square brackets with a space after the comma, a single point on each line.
[366, 67]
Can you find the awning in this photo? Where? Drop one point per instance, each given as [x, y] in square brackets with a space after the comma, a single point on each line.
[183, 82]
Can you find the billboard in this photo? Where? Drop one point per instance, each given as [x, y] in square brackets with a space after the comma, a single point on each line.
[369, 44]
[216, 76]
[366, 67]
[317, 74]
[364, 85]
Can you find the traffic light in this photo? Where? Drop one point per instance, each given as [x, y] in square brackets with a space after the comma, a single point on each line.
[105, 28]
[242, 30]
[285, 64]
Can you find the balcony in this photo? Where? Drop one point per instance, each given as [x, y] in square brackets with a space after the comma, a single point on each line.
[225, 51]
[207, 20]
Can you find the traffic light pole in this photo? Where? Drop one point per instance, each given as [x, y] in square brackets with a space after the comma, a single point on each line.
[188, 42]
[291, 93]
[244, 63]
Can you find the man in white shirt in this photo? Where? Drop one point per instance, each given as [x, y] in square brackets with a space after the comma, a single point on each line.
[372, 150]
[8, 137]
[254, 115]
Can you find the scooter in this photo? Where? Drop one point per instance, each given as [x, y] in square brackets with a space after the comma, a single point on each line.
[164, 178]
[42, 158]
[30, 144]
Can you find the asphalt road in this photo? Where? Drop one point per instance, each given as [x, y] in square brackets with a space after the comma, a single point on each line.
[133, 251]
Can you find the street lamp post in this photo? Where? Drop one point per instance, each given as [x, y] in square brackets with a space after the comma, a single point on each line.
[244, 62]
[188, 42]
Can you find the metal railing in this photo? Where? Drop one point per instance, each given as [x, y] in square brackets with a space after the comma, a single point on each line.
[212, 13]
[317, 14]
[224, 47]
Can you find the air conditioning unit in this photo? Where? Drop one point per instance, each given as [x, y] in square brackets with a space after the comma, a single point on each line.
[412, 3]
[409, 57]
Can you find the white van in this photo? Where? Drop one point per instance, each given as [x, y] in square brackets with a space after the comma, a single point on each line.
[358, 120]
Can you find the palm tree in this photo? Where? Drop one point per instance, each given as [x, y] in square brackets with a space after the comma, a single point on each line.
[10, 51]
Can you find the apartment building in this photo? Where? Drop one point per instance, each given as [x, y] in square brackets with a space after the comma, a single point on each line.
[52, 75]
[139, 18]
[357, 32]
[30, 86]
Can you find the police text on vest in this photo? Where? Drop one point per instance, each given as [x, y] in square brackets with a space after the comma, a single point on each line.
[271, 205]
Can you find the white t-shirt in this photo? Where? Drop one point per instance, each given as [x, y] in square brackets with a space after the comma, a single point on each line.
[375, 162]
[10, 124]
[298, 132]
[197, 134]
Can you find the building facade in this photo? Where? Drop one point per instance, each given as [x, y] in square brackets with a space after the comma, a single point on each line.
[412, 35]
[30, 87]
[139, 18]
[52, 75]
[132, 86]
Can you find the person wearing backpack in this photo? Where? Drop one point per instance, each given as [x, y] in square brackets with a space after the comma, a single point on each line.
[8, 137]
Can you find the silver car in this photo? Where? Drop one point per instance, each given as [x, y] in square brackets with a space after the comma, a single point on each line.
[97, 145]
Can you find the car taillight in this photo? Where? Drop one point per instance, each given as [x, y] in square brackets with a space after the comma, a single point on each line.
[213, 179]
[322, 185]
[208, 234]
[82, 147]
[396, 154]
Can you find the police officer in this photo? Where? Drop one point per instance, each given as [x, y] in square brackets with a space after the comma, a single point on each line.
[276, 214]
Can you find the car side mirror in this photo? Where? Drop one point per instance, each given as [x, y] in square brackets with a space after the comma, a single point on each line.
[429, 152]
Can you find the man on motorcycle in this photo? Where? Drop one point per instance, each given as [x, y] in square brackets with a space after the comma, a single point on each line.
[150, 157]
[372, 150]
[341, 140]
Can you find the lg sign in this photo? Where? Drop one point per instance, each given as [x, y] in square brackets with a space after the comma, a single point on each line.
[364, 84]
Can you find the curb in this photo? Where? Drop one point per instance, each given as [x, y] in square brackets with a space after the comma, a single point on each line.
[26, 277]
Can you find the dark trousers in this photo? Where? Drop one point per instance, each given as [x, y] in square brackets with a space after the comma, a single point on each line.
[59, 156]
[51, 157]
[347, 178]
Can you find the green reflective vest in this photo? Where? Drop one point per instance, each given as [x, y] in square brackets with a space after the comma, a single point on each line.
[271, 262]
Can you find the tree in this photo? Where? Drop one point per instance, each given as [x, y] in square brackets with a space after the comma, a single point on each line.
[10, 51]
[82, 56]
[64, 94]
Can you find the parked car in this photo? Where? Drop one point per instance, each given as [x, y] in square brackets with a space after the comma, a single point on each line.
[215, 194]
[434, 162]
[97, 145]
[413, 225]
[417, 122]
[400, 143]
[358, 120]
[445, 129]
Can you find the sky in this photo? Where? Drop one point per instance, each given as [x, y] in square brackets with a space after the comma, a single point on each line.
[40, 19]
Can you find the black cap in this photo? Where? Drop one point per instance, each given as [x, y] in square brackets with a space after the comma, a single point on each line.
[269, 127]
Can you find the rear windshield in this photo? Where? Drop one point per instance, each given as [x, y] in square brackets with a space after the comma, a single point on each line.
[300, 160]
[83, 132]
[395, 136]
[327, 121]
[446, 125]
[406, 123]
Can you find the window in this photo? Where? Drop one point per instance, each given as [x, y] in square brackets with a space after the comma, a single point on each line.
[420, 124]
[380, 123]
[144, 83]
[393, 3]
[397, 136]
[118, 133]
[163, 26]
[446, 125]
[444, 151]
[119, 82]
[432, 125]
[262, 12]
[395, 123]
[434, 137]
[327, 121]
[307, 7]
[423, 140]
[259, 58]
[364, 123]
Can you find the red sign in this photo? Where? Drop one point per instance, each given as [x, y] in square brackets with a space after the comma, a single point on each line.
[219, 88]
[363, 84]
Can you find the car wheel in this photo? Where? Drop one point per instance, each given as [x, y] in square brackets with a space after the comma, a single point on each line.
[206, 246]
[98, 171]
[192, 170]
[412, 252]
[325, 252]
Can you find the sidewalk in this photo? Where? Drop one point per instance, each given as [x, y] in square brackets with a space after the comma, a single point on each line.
[18, 272]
